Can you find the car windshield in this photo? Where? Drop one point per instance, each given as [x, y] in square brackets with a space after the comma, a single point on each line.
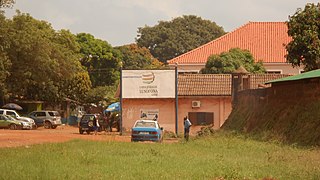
[87, 118]
[145, 124]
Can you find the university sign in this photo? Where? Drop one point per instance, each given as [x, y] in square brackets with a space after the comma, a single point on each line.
[148, 84]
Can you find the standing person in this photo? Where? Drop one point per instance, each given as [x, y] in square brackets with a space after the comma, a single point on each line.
[111, 119]
[96, 124]
[187, 125]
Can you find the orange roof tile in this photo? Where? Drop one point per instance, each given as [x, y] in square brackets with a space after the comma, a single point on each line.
[265, 40]
[204, 85]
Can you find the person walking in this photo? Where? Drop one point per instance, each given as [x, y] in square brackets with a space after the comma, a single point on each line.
[187, 125]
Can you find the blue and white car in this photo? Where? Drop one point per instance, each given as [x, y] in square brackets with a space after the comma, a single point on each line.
[146, 130]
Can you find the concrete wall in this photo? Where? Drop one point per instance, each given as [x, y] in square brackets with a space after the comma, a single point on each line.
[283, 67]
[287, 111]
[132, 107]
[220, 106]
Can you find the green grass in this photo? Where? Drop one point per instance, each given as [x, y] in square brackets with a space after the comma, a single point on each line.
[223, 155]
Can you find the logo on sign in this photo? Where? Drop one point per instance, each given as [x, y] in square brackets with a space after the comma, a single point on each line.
[148, 78]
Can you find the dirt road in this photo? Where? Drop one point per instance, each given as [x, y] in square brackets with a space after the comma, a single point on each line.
[13, 138]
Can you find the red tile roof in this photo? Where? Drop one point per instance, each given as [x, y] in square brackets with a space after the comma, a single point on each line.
[204, 85]
[265, 40]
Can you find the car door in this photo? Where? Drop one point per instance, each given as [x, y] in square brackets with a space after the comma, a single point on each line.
[3, 121]
[40, 117]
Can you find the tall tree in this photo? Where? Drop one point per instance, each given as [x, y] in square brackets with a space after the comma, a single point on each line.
[135, 57]
[5, 62]
[101, 60]
[6, 3]
[169, 39]
[304, 28]
[41, 59]
[228, 62]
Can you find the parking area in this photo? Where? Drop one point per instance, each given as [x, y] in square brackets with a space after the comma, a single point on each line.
[14, 138]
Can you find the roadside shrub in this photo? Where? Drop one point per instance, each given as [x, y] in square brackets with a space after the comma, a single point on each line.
[206, 131]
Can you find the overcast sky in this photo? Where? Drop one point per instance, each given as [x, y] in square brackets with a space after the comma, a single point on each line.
[117, 21]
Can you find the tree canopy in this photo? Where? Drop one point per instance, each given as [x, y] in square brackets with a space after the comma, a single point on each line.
[169, 39]
[41, 59]
[304, 28]
[228, 62]
[135, 57]
[101, 60]
[5, 62]
[6, 3]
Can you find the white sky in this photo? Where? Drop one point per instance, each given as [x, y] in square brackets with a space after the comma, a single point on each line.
[117, 21]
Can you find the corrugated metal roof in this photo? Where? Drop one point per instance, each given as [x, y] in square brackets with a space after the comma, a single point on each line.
[265, 40]
[204, 85]
[306, 75]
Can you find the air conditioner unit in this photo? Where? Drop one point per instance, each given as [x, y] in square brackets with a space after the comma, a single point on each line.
[195, 104]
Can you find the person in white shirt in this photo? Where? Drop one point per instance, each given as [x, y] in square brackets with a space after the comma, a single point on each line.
[187, 125]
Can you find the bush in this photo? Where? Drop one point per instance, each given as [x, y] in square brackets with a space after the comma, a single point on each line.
[206, 131]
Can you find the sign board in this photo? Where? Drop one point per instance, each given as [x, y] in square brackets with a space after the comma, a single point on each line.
[151, 114]
[148, 84]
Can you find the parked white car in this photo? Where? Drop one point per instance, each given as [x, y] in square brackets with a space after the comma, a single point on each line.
[28, 121]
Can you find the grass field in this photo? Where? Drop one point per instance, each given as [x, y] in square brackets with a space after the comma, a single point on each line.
[221, 156]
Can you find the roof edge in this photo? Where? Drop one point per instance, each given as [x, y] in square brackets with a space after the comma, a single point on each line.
[173, 60]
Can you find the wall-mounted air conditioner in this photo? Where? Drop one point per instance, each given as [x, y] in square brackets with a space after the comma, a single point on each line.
[195, 104]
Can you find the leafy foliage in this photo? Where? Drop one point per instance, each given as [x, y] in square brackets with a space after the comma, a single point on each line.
[42, 59]
[102, 95]
[169, 39]
[100, 59]
[135, 57]
[6, 3]
[228, 62]
[5, 62]
[77, 87]
[304, 28]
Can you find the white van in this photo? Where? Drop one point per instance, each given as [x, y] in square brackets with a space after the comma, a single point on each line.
[27, 123]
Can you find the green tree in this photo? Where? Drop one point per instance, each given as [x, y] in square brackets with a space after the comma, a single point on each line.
[77, 87]
[6, 3]
[228, 62]
[102, 95]
[169, 39]
[41, 59]
[304, 28]
[135, 57]
[5, 62]
[101, 60]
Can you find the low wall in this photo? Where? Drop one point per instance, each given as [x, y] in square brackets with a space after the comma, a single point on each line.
[287, 111]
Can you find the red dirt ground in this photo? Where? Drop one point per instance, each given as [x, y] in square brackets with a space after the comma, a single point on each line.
[14, 138]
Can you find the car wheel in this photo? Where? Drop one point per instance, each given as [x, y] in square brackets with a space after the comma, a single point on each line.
[34, 127]
[80, 131]
[47, 125]
[53, 127]
[88, 132]
[13, 126]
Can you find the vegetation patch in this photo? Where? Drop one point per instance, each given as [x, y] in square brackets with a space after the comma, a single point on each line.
[222, 155]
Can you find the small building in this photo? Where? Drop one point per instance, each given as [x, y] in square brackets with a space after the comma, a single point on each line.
[204, 98]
